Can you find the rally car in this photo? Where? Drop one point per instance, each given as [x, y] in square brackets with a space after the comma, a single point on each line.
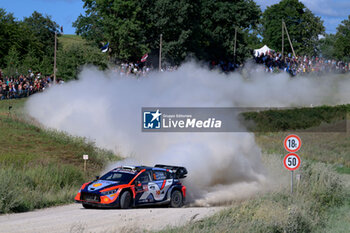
[130, 186]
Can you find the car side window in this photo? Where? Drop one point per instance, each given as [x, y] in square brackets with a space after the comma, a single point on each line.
[144, 177]
[159, 175]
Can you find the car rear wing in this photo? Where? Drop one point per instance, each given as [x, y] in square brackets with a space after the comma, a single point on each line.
[180, 172]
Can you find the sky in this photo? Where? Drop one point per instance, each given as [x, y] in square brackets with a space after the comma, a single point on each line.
[65, 12]
[332, 12]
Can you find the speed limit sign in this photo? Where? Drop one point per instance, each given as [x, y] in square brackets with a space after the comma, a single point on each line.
[292, 143]
[292, 161]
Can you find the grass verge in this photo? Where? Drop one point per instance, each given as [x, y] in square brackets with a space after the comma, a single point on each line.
[319, 193]
[41, 168]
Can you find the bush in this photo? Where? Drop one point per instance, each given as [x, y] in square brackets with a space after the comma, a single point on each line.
[319, 190]
[24, 189]
[275, 120]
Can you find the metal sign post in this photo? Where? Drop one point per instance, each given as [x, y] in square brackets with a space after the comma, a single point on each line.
[85, 157]
[292, 161]
[291, 183]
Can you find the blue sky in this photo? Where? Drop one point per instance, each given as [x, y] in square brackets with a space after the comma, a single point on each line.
[332, 12]
[65, 12]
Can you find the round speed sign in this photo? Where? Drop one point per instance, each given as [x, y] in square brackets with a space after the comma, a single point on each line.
[292, 143]
[292, 161]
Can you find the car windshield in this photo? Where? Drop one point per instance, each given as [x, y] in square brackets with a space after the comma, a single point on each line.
[120, 177]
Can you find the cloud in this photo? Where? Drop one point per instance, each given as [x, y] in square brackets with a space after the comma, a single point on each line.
[332, 12]
[338, 8]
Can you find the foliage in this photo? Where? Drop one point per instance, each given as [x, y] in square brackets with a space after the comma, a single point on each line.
[41, 168]
[337, 45]
[342, 41]
[303, 27]
[319, 191]
[9, 35]
[327, 46]
[202, 28]
[298, 118]
[30, 42]
[73, 56]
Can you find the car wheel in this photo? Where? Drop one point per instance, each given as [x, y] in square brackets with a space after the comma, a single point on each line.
[125, 200]
[176, 199]
[87, 206]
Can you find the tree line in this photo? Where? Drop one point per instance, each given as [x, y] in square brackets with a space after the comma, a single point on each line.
[28, 44]
[200, 29]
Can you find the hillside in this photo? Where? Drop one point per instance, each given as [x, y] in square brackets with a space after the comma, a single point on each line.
[68, 40]
[316, 126]
[41, 168]
[321, 199]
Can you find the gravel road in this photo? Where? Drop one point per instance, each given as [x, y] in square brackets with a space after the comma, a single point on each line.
[74, 218]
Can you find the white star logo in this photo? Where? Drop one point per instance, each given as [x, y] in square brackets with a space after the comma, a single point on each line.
[156, 115]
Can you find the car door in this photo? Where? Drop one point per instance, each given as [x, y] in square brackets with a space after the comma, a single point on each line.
[142, 189]
[160, 184]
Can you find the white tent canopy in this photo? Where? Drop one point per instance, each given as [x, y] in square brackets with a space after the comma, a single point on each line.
[264, 50]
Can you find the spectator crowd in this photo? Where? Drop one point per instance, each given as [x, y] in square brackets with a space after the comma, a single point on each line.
[25, 85]
[22, 85]
[300, 65]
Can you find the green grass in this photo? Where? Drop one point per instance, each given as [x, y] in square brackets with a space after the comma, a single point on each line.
[321, 201]
[331, 148]
[316, 118]
[41, 168]
[68, 40]
[272, 126]
[338, 220]
[319, 198]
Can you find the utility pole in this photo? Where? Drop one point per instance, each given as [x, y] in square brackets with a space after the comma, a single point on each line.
[160, 52]
[235, 44]
[282, 38]
[290, 42]
[54, 61]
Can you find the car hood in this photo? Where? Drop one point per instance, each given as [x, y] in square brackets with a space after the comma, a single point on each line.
[101, 184]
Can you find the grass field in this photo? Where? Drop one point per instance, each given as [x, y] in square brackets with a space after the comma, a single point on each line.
[329, 147]
[321, 201]
[40, 168]
[67, 40]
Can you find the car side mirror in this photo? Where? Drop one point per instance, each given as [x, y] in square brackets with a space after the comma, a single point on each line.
[97, 177]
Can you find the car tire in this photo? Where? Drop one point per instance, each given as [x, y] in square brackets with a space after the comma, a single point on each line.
[176, 200]
[125, 200]
[87, 206]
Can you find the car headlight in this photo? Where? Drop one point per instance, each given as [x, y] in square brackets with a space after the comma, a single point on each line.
[109, 192]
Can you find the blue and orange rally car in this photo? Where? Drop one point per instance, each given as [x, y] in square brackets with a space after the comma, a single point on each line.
[129, 186]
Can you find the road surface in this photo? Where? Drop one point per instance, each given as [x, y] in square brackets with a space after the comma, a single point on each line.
[74, 218]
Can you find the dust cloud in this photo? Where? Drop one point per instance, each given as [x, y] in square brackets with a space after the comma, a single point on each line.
[106, 108]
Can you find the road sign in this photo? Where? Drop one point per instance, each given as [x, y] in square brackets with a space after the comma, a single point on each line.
[292, 143]
[292, 161]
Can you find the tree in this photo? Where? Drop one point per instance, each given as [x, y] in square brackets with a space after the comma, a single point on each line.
[41, 32]
[219, 20]
[31, 40]
[342, 41]
[12, 61]
[203, 28]
[327, 46]
[118, 22]
[72, 57]
[303, 27]
[8, 37]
